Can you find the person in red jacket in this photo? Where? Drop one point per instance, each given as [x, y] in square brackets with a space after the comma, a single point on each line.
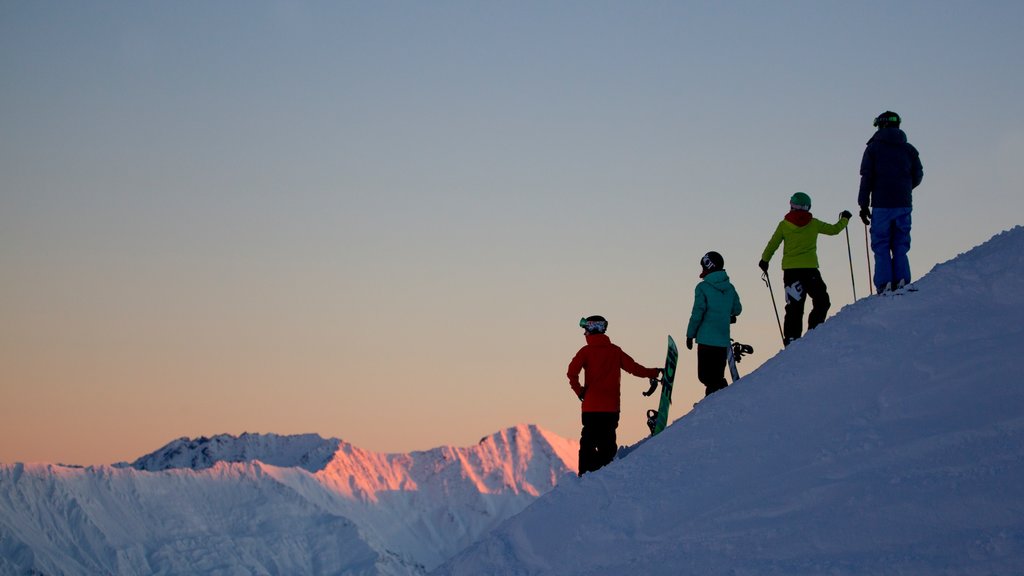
[601, 363]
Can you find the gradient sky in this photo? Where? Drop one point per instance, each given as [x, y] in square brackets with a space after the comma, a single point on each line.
[381, 221]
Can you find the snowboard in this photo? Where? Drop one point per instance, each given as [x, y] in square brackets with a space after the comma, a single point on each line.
[658, 419]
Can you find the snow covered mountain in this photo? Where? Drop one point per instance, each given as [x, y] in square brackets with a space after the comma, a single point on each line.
[307, 451]
[890, 440]
[268, 504]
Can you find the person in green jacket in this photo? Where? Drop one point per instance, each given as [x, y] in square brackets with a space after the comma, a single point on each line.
[799, 230]
[715, 306]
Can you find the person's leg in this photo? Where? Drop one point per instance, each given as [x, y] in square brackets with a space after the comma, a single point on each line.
[900, 247]
[607, 443]
[816, 290]
[881, 245]
[793, 324]
[711, 362]
[588, 443]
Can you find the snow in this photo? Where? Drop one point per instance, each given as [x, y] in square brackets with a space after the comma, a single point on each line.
[890, 440]
[306, 451]
[269, 504]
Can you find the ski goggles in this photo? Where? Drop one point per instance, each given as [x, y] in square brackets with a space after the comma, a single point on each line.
[593, 326]
[887, 120]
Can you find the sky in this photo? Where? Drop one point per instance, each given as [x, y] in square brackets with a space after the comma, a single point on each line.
[381, 221]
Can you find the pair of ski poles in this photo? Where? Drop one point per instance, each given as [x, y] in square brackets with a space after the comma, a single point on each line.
[853, 281]
[867, 256]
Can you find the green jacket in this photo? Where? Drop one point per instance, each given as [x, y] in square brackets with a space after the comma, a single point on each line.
[715, 302]
[800, 231]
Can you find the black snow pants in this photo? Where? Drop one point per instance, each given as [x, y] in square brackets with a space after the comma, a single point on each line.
[801, 284]
[711, 361]
[598, 443]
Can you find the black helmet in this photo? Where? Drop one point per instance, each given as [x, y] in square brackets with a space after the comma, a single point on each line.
[711, 262]
[887, 119]
[594, 324]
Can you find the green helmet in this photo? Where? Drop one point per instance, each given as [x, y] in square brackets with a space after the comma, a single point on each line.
[800, 201]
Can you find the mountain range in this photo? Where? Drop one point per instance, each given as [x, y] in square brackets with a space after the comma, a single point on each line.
[270, 504]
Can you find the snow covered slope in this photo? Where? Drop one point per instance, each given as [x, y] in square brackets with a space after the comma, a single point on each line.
[268, 504]
[890, 440]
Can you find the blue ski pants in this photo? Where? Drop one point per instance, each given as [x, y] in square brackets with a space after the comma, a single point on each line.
[890, 241]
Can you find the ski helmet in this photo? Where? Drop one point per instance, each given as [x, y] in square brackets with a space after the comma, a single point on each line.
[887, 119]
[800, 201]
[711, 262]
[594, 324]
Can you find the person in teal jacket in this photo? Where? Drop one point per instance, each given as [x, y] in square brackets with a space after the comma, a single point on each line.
[715, 306]
[799, 230]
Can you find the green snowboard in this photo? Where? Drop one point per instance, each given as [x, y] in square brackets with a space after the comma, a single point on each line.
[658, 419]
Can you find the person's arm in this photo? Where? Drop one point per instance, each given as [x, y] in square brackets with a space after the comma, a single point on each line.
[833, 229]
[773, 244]
[631, 366]
[917, 173]
[575, 366]
[866, 181]
[737, 308]
[700, 307]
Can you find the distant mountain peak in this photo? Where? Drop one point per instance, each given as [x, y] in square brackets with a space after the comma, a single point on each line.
[307, 451]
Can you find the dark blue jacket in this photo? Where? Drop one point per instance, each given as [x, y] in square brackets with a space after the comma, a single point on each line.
[890, 170]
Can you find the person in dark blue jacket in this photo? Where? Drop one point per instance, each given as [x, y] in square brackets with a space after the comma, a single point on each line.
[889, 172]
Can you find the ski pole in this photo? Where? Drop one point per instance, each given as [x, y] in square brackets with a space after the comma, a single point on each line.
[768, 283]
[867, 254]
[849, 254]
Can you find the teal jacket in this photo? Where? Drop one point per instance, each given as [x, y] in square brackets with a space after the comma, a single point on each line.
[715, 302]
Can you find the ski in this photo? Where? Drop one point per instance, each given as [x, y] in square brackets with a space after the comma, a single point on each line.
[658, 419]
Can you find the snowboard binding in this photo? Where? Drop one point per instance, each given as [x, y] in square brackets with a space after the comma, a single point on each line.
[740, 350]
[652, 420]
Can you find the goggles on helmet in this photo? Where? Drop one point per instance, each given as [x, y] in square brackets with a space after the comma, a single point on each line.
[593, 326]
[886, 120]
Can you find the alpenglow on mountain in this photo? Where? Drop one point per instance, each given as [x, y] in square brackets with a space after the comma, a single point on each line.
[269, 504]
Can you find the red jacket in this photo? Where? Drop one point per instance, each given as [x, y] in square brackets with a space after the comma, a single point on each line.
[602, 363]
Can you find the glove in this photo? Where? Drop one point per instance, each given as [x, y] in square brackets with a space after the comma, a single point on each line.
[583, 392]
[845, 214]
[763, 265]
[865, 215]
[689, 343]
[732, 319]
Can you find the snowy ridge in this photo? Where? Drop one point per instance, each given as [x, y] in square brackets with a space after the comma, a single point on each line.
[307, 451]
[216, 505]
[890, 440]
